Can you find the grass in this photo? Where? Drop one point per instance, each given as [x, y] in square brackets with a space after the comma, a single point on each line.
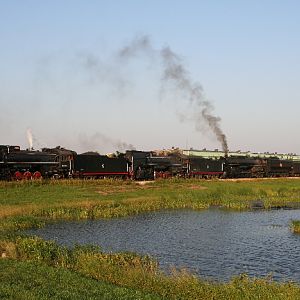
[30, 280]
[33, 204]
[75, 199]
[295, 226]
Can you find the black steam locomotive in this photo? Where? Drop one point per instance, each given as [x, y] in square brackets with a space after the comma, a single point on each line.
[256, 167]
[28, 164]
[17, 164]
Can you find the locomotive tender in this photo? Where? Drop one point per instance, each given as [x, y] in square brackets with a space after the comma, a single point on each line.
[99, 166]
[17, 164]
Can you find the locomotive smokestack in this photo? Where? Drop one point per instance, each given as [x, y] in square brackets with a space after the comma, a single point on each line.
[174, 71]
[29, 138]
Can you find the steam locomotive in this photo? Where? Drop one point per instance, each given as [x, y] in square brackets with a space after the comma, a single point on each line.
[17, 164]
[28, 164]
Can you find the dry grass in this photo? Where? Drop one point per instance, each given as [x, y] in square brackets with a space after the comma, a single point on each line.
[15, 210]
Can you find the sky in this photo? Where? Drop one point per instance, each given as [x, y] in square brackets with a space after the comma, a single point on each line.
[63, 76]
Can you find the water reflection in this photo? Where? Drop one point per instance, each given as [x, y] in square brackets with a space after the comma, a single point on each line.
[213, 243]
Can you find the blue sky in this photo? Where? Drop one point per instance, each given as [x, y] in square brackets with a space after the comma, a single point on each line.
[245, 55]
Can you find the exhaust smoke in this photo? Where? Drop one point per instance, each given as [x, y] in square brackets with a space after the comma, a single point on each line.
[175, 72]
[96, 140]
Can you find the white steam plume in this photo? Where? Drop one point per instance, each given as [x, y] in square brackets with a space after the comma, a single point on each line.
[29, 138]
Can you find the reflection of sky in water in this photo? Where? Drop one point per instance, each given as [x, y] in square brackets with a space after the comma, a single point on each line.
[213, 243]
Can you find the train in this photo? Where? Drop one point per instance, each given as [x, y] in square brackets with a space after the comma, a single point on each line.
[17, 164]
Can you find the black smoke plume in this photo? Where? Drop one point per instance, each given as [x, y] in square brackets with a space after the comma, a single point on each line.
[175, 72]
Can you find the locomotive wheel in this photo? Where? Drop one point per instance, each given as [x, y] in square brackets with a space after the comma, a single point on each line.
[18, 175]
[27, 175]
[37, 175]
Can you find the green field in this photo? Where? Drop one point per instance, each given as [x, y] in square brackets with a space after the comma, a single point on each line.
[88, 273]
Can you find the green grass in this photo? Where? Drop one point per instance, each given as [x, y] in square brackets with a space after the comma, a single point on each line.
[74, 199]
[295, 226]
[29, 280]
[33, 204]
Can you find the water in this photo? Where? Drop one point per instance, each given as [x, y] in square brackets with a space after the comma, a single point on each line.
[213, 243]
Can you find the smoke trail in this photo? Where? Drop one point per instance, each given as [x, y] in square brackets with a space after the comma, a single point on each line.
[99, 140]
[29, 138]
[104, 72]
[141, 44]
[175, 72]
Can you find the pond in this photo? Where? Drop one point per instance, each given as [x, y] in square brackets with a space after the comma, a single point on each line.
[214, 243]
